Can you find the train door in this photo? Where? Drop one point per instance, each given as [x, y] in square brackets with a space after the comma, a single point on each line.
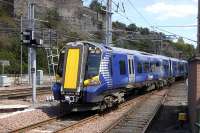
[131, 69]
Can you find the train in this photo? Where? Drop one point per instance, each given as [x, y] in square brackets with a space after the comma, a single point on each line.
[93, 76]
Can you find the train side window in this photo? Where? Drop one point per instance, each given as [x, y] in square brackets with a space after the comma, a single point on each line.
[132, 66]
[111, 69]
[129, 66]
[122, 66]
[139, 68]
[157, 64]
[157, 69]
[153, 67]
[146, 67]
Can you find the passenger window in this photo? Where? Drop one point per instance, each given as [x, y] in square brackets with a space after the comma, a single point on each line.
[111, 69]
[122, 67]
[129, 66]
[153, 67]
[146, 67]
[157, 64]
[132, 66]
[157, 67]
[139, 68]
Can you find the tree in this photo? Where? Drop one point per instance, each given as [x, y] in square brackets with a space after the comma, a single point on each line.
[96, 6]
[119, 25]
[144, 31]
[180, 40]
[132, 27]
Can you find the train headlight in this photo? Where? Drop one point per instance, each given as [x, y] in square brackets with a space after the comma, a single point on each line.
[58, 78]
[92, 81]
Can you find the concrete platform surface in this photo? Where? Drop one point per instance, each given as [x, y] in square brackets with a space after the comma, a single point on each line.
[175, 103]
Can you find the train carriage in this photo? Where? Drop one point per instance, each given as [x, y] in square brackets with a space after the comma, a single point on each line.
[94, 74]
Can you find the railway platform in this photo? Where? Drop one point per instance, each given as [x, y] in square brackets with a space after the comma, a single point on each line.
[167, 120]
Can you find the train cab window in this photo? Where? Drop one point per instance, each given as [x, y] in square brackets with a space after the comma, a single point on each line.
[92, 65]
[146, 67]
[122, 66]
[139, 68]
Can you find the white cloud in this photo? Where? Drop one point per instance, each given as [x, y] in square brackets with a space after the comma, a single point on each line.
[195, 1]
[166, 11]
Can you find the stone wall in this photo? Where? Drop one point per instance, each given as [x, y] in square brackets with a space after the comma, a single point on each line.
[71, 11]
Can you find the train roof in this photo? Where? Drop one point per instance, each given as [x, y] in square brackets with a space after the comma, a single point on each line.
[127, 51]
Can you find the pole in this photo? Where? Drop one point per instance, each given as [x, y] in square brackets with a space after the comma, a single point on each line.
[198, 33]
[33, 50]
[33, 56]
[29, 49]
[21, 57]
[198, 54]
[109, 23]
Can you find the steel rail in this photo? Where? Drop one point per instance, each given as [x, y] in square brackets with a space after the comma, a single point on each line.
[81, 122]
[132, 110]
[5, 94]
[32, 126]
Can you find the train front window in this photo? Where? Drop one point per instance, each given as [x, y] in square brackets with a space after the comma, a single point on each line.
[93, 64]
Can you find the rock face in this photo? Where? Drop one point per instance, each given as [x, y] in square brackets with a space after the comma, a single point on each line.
[8, 6]
[65, 8]
[72, 12]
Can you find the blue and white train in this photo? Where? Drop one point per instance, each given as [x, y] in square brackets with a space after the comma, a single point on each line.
[95, 76]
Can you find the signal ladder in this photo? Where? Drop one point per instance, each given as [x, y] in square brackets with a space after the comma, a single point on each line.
[52, 59]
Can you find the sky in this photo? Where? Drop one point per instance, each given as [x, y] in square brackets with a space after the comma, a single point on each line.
[148, 13]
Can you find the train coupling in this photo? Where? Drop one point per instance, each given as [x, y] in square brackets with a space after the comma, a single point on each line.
[71, 99]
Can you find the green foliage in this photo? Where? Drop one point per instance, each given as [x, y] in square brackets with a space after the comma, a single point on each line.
[186, 49]
[119, 25]
[96, 6]
[52, 16]
[132, 27]
[144, 31]
[6, 19]
[148, 45]
[12, 53]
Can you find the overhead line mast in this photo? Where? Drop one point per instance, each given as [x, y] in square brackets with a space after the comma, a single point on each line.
[109, 23]
[198, 33]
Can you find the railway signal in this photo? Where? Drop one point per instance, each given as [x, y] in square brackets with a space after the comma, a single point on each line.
[26, 37]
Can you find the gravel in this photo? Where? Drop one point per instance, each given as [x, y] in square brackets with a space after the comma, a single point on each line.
[103, 122]
[27, 117]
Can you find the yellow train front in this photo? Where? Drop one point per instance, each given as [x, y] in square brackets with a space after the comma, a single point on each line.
[81, 75]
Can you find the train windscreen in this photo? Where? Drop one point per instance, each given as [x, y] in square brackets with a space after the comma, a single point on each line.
[93, 64]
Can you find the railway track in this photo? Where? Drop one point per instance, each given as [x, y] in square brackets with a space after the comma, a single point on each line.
[57, 124]
[138, 119]
[21, 93]
[66, 123]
